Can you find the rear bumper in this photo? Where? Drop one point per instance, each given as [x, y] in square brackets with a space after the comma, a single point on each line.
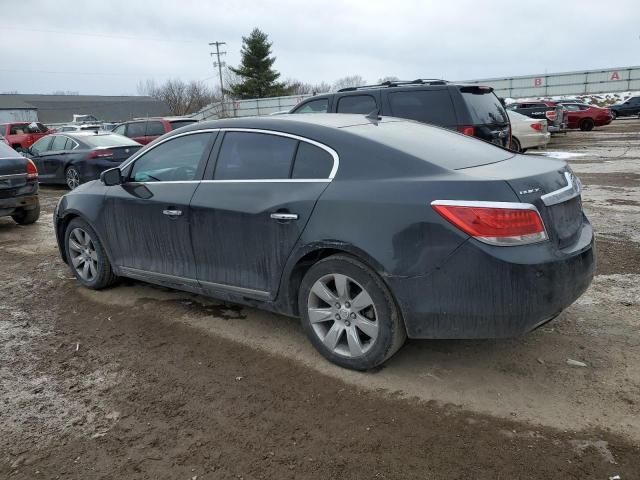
[493, 292]
[538, 140]
[8, 206]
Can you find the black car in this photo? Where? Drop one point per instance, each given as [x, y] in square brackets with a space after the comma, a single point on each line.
[73, 158]
[18, 187]
[470, 109]
[368, 229]
[631, 106]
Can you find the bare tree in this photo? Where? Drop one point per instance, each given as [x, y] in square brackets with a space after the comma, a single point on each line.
[348, 81]
[297, 87]
[181, 97]
[389, 78]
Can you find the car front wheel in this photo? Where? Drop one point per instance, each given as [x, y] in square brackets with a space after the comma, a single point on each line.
[86, 256]
[349, 314]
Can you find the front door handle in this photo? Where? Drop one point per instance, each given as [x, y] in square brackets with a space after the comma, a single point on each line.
[172, 213]
[284, 216]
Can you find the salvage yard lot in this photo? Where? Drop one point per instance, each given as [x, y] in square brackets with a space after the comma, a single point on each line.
[143, 382]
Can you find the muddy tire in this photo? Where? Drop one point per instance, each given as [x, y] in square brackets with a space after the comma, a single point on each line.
[586, 125]
[348, 313]
[515, 145]
[86, 256]
[27, 217]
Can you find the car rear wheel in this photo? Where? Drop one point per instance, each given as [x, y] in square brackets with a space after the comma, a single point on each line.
[72, 177]
[86, 256]
[515, 145]
[349, 314]
[27, 217]
[613, 114]
[586, 125]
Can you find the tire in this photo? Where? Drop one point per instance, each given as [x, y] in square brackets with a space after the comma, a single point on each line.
[88, 251]
[515, 145]
[614, 115]
[369, 328]
[72, 177]
[586, 125]
[27, 217]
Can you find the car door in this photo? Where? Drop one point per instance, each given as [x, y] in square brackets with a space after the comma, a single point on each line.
[252, 207]
[55, 159]
[146, 219]
[38, 153]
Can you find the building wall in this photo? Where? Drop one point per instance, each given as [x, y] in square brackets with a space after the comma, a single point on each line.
[18, 115]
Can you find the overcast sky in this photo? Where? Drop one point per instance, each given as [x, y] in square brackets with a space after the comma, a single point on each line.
[108, 46]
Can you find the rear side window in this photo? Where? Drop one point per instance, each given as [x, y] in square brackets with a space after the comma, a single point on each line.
[18, 129]
[312, 162]
[58, 143]
[174, 160]
[155, 129]
[136, 129]
[253, 156]
[315, 106]
[357, 104]
[181, 123]
[427, 106]
[70, 145]
[485, 108]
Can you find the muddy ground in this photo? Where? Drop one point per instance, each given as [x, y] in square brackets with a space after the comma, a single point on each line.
[144, 382]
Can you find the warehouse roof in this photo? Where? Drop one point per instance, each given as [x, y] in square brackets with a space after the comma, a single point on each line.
[61, 108]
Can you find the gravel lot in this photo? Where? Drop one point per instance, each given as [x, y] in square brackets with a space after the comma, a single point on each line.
[144, 382]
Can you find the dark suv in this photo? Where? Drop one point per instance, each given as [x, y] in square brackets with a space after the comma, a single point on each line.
[473, 110]
[631, 106]
[146, 130]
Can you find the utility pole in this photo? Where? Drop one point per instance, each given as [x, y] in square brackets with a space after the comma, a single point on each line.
[219, 64]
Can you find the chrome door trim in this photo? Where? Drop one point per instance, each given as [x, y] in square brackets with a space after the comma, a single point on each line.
[572, 190]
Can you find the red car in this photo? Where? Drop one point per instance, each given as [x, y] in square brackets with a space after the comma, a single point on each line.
[585, 117]
[146, 130]
[21, 135]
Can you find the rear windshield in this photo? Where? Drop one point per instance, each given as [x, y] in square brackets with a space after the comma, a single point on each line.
[181, 123]
[110, 140]
[485, 108]
[7, 152]
[437, 146]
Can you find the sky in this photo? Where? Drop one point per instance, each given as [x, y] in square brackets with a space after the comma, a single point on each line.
[107, 47]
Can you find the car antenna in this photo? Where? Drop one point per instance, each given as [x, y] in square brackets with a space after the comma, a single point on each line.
[374, 115]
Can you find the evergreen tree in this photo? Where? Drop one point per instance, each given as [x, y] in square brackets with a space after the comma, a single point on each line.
[257, 77]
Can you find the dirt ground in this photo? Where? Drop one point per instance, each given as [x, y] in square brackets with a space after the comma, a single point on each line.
[145, 382]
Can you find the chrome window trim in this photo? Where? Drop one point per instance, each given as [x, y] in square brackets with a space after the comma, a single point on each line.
[329, 150]
[572, 190]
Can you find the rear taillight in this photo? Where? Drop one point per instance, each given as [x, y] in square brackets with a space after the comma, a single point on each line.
[467, 130]
[495, 223]
[551, 115]
[536, 126]
[99, 154]
[32, 171]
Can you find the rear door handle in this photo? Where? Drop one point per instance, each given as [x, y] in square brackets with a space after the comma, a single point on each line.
[172, 213]
[284, 216]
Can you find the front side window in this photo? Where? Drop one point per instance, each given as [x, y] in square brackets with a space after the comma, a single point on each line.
[58, 143]
[18, 129]
[362, 104]
[174, 160]
[252, 156]
[314, 106]
[136, 129]
[41, 145]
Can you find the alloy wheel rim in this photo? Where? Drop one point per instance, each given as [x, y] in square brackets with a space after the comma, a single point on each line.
[73, 178]
[343, 315]
[82, 252]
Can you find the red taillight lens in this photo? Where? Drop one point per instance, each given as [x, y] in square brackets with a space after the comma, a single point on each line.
[551, 115]
[32, 171]
[99, 154]
[536, 126]
[467, 130]
[496, 223]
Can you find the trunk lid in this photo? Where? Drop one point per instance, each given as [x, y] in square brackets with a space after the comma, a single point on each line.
[546, 183]
[120, 154]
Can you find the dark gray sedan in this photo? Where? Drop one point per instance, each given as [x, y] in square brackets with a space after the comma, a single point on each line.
[370, 230]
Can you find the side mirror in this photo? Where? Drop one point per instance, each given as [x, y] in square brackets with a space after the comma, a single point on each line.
[111, 177]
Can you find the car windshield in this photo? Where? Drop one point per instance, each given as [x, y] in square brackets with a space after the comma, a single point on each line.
[109, 140]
